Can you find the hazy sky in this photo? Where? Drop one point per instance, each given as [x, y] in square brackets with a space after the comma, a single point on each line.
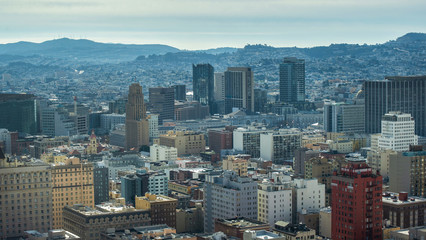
[201, 24]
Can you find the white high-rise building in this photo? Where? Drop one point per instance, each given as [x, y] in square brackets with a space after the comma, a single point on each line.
[227, 196]
[248, 140]
[274, 202]
[162, 153]
[219, 86]
[279, 146]
[397, 132]
[310, 195]
[153, 126]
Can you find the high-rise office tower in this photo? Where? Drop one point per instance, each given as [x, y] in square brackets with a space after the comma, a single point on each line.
[404, 94]
[162, 102]
[356, 202]
[260, 100]
[342, 117]
[292, 80]
[19, 113]
[137, 127]
[397, 132]
[239, 89]
[219, 93]
[203, 83]
[228, 196]
[180, 92]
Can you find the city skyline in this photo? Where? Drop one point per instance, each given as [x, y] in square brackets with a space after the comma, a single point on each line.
[211, 24]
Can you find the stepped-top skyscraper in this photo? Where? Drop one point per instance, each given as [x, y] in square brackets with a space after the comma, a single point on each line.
[137, 127]
[292, 80]
[239, 89]
[203, 84]
[403, 94]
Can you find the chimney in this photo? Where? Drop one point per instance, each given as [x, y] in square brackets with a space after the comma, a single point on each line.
[403, 196]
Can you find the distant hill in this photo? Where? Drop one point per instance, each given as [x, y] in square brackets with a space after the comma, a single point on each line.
[84, 50]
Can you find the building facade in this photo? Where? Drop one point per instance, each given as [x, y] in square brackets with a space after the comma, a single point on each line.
[89, 223]
[407, 172]
[239, 89]
[137, 129]
[356, 203]
[162, 102]
[72, 184]
[279, 146]
[26, 198]
[161, 208]
[162, 153]
[227, 195]
[186, 142]
[292, 80]
[19, 113]
[203, 84]
[404, 94]
[342, 117]
[397, 132]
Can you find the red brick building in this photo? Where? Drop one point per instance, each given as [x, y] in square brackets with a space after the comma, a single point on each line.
[219, 140]
[357, 203]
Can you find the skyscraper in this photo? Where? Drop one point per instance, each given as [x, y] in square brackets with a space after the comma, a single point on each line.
[404, 94]
[397, 132]
[19, 113]
[292, 80]
[162, 102]
[203, 83]
[137, 127]
[180, 92]
[356, 202]
[239, 89]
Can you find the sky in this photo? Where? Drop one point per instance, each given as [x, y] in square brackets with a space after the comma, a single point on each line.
[203, 24]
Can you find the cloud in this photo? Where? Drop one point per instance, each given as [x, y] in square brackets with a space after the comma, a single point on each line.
[196, 22]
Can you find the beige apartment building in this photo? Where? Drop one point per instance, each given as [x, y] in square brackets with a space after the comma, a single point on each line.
[186, 142]
[238, 165]
[72, 184]
[321, 169]
[25, 198]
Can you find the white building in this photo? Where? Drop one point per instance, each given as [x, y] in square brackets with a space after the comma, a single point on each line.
[158, 184]
[6, 139]
[227, 195]
[248, 140]
[162, 153]
[397, 132]
[153, 126]
[310, 195]
[274, 202]
[279, 146]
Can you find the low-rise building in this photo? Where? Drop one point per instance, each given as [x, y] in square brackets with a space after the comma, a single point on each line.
[404, 211]
[236, 227]
[238, 165]
[294, 231]
[186, 142]
[89, 223]
[190, 220]
[162, 208]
